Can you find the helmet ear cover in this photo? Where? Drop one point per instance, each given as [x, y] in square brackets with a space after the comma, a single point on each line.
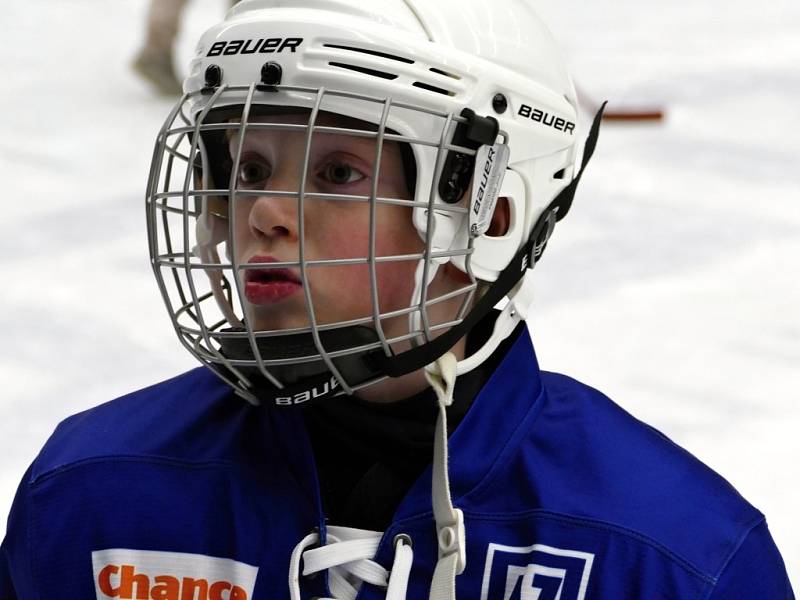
[524, 260]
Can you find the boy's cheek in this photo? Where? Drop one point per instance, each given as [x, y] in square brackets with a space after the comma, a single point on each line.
[349, 288]
[395, 284]
[339, 240]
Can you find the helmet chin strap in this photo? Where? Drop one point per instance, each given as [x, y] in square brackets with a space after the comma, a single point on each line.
[415, 321]
[210, 231]
[450, 534]
[515, 310]
[441, 375]
[442, 372]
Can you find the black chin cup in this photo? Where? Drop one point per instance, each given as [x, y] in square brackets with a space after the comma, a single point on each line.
[307, 380]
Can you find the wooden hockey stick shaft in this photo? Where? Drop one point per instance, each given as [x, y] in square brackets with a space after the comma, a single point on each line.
[649, 113]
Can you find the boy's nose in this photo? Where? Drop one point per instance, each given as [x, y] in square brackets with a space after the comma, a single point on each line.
[273, 218]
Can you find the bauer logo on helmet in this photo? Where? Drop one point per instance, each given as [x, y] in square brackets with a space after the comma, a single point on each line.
[545, 118]
[262, 46]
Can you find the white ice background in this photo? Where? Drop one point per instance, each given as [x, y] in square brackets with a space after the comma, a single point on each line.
[673, 286]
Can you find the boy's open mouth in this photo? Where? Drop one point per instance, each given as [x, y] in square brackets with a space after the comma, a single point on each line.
[267, 286]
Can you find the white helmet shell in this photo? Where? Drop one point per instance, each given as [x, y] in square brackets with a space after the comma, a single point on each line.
[443, 55]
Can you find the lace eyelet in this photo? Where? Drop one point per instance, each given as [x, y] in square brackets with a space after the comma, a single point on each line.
[402, 537]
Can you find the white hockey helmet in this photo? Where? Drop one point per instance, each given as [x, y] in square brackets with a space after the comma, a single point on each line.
[465, 86]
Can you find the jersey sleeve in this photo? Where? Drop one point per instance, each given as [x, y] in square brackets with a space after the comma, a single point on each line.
[15, 580]
[756, 570]
[6, 585]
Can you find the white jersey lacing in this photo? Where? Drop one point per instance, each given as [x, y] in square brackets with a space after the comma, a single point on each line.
[348, 558]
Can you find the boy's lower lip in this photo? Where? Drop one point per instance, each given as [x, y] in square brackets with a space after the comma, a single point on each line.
[270, 292]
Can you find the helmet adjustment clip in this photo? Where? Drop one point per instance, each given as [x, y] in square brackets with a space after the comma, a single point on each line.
[474, 132]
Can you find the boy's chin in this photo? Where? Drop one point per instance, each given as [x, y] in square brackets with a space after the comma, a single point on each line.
[277, 318]
[286, 317]
[277, 321]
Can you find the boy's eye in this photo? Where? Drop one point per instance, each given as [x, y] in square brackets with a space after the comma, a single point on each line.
[252, 172]
[341, 174]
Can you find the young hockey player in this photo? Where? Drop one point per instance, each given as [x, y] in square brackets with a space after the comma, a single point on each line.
[335, 207]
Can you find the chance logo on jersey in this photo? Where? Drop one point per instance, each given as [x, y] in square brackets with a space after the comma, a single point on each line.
[147, 575]
[535, 572]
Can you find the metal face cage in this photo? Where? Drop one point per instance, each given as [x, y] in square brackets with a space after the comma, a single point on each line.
[192, 233]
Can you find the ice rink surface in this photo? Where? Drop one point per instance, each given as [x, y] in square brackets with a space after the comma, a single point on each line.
[674, 285]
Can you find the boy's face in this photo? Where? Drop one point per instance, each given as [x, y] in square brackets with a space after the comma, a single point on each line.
[267, 227]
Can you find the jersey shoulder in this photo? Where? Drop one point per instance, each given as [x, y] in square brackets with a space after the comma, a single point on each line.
[176, 419]
[612, 468]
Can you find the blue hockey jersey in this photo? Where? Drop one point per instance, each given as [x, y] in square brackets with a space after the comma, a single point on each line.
[182, 491]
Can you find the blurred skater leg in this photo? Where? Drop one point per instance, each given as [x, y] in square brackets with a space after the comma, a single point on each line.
[154, 60]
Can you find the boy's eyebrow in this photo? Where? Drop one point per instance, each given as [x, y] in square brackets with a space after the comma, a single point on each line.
[324, 119]
[229, 134]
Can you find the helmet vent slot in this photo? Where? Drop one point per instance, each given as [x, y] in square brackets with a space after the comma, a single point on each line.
[364, 70]
[433, 88]
[445, 73]
[408, 61]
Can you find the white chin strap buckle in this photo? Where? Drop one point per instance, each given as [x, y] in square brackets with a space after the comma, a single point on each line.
[453, 542]
[451, 539]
